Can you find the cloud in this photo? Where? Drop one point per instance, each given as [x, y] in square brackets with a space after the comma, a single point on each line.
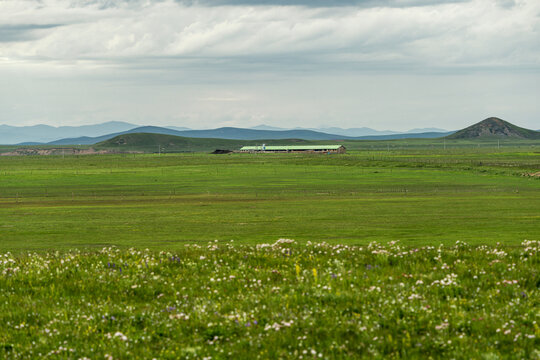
[23, 32]
[209, 63]
[199, 64]
[507, 3]
[319, 3]
[107, 4]
[440, 34]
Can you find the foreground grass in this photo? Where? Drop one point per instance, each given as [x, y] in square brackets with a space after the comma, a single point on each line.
[273, 301]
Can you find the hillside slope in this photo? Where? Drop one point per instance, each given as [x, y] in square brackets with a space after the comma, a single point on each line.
[221, 133]
[150, 142]
[244, 135]
[494, 128]
[251, 134]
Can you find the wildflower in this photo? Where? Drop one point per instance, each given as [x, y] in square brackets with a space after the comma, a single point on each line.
[120, 336]
[284, 241]
[180, 316]
[442, 326]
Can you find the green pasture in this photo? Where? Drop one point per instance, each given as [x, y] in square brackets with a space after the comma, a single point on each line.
[420, 195]
[222, 300]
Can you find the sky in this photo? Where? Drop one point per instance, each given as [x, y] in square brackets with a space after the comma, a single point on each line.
[383, 64]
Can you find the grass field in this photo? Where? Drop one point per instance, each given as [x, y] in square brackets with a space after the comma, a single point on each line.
[210, 286]
[418, 196]
[158, 143]
[279, 301]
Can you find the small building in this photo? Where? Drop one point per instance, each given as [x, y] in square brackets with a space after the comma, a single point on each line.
[319, 149]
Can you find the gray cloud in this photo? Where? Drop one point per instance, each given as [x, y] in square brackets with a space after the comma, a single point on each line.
[22, 32]
[320, 3]
[463, 35]
[310, 62]
[507, 3]
[106, 4]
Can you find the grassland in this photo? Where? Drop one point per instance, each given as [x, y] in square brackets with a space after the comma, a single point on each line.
[159, 143]
[213, 282]
[419, 195]
[288, 301]
[150, 143]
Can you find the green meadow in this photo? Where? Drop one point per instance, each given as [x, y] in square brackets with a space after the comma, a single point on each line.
[395, 250]
[422, 194]
[284, 300]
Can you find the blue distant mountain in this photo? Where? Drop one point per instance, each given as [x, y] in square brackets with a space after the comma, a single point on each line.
[425, 130]
[87, 140]
[179, 128]
[267, 127]
[220, 133]
[92, 134]
[354, 132]
[242, 134]
[251, 134]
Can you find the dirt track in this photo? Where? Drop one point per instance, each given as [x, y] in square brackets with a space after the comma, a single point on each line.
[54, 151]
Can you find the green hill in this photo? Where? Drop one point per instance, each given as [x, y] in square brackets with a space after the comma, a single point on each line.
[153, 143]
[495, 128]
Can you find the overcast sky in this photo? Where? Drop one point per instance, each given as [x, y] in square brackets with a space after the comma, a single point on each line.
[386, 64]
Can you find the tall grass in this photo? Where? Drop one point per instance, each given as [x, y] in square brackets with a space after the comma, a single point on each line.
[268, 301]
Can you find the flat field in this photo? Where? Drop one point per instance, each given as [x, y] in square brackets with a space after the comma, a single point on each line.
[419, 196]
[215, 284]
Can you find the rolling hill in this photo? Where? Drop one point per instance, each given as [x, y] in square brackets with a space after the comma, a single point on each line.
[490, 128]
[231, 133]
[153, 143]
[92, 134]
[494, 127]
[85, 140]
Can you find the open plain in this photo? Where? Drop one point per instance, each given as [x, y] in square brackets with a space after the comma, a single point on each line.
[422, 197]
[417, 252]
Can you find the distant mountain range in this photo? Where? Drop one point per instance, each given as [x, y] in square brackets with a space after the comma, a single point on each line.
[353, 132]
[349, 132]
[153, 142]
[45, 133]
[91, 134]
[232, 133]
